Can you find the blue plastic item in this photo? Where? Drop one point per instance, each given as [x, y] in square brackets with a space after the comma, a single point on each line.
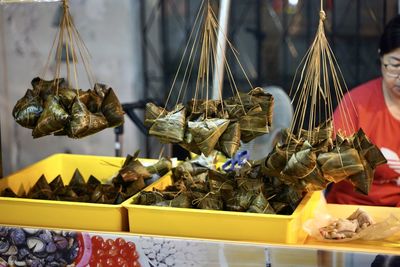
[238, 160]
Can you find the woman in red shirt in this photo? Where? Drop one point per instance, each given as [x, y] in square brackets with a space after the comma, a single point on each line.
[375, 107]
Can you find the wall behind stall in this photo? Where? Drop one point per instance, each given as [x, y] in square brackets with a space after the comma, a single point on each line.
[27, 32]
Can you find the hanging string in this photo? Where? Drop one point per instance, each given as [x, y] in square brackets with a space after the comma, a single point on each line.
[207, 59]
[68, 39]
[316, 76]
[184, 53]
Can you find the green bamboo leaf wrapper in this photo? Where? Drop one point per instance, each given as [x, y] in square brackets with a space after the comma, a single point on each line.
[152, 112]
[261, 205]
[171, 128]
[229, 142]
[46, 88]
[53, 118]
[275, 162]
[149, 198]
[301, 164]
[254, 124]
[189, 144]
[241, 201]
[206, 133]
[161, 167]
[112, 109]
[41, 189]
[28, 109]
[370, 151]
[363, 180]
[83, 122]
[339, 165]
[67, 97]
[208, 201]
[133, 169]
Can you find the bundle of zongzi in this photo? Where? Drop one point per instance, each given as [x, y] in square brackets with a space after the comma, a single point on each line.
[54, 108]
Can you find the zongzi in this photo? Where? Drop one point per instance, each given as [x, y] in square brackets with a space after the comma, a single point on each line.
[207, 132]
[83, 122]
[229, 142]
[171, 127]
[53, 118]
[27, 110]
[112, 109]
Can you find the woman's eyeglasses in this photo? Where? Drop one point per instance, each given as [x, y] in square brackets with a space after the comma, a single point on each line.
[392, 70]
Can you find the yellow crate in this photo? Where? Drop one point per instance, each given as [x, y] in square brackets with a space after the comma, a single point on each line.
[222, 225]
[63, 214]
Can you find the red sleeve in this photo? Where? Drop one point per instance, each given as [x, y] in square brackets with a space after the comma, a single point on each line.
[345, 118]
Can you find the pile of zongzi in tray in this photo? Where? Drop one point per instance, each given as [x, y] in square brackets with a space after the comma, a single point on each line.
[204, 125]
[314, 160]
[245, 190]
[129, 180]
[52, 107]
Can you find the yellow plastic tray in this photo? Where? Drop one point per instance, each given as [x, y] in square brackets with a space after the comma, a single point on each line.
[222, 225]
[63, 214]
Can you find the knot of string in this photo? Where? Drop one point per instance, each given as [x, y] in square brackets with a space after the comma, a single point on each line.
[65, 4]
[322, 15]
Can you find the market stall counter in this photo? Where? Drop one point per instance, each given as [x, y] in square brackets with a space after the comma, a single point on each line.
[38, 247]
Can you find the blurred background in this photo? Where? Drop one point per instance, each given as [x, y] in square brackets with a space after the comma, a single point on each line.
[136, 47]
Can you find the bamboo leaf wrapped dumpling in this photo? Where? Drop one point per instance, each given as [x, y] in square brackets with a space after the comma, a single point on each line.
[27, 110]
[207, 132]
[363, 180]
[254, 124]
[101, 89]
[41, 189]
[67, 97]
[183, 200]
[261, 205]
[56, 184]
[45, 88]
[152, 112]
[83, 122]
[340, 164]
[198, 107]
[234, 111]
[161, 167]
[302, 163]
[318, 134]
[229, 142]
[241, 201]
[53, 118]
[274, 163]
[370, 151]
[208, 201]
[315, 182]
[190, 167]
[95, 101]
[148, 198]
[189, 144]
[265, 100]
[112, 109]
[320, 137]
[133, 169]
[171, 127]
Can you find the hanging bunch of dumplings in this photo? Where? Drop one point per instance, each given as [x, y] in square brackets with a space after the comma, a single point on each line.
[58, 106]
[205, 124]
[311, 158]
